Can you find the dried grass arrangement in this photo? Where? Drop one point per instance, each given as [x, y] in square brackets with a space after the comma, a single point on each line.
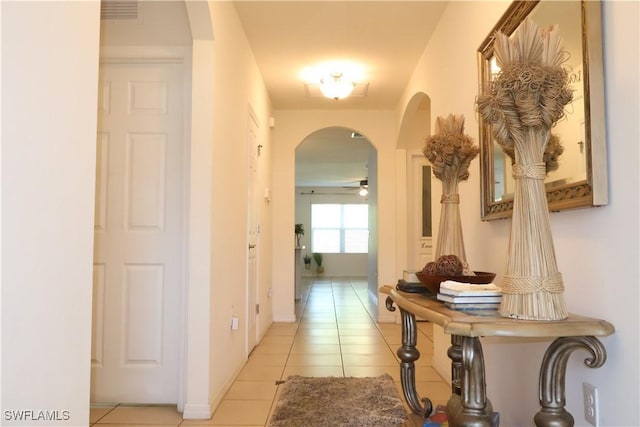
[450, 152]
[550, 157]
[524, 101]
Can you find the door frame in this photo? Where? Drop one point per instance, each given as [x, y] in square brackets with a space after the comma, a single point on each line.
[416, 161]
[183, 57]
[253, 301]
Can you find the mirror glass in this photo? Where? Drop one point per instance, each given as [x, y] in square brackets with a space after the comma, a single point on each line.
[580, 177]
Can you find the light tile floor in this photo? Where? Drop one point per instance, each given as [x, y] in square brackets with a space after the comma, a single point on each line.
[335, 336]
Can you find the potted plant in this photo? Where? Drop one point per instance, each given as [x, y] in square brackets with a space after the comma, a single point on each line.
[299, 233]
[307, 261]
[317, 257]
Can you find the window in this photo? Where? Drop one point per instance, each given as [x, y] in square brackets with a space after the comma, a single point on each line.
[340, 228]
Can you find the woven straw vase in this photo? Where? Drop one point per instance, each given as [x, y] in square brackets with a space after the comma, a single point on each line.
[450, 240]
[532, 287]
[450, 152]
[524, 101]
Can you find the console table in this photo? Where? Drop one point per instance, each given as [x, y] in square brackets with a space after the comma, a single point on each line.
[469, 405]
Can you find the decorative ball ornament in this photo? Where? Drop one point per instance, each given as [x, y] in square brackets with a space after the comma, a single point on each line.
[449, 265]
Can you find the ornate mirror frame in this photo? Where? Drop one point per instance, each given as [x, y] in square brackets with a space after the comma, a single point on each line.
[588, 192]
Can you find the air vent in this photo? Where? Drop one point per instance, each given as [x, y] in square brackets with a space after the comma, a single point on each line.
[118, 9]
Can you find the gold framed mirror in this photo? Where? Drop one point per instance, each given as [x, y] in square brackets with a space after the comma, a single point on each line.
[581, 178]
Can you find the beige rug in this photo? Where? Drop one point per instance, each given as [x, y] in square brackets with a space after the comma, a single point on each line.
[338, 402]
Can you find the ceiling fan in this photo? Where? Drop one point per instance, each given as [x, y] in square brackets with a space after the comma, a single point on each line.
[363, 187]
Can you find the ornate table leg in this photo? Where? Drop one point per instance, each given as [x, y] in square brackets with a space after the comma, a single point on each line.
[408, 354]
[470, 407]
[455, 354]
[552, 378]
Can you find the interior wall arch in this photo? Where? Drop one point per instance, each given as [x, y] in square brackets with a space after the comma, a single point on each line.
[291, 127]
[415, 232]
[343, 149]
[330, 165]
[415, 124]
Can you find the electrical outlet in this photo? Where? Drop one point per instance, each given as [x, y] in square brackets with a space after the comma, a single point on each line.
[590, 393]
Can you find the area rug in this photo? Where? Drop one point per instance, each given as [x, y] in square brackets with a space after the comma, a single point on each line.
[338, 402]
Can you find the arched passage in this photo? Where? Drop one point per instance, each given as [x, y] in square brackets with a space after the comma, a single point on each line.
[291, 128]
[415, 124]
[415, 127]
[331, 165]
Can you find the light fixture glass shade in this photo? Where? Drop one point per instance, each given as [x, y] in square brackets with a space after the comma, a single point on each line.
[336, 86]
[363, 192]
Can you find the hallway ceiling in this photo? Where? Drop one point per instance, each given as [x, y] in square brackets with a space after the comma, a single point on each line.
[386, 38]
[344, 160]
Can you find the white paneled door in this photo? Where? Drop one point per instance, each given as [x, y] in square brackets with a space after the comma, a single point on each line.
[138, 234]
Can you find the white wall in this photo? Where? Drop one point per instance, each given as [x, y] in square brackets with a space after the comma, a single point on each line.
[291, 128]
[237, 88]
[336, 265]
[49, 98]
[596, 249]
[197, 351]
[159, 23]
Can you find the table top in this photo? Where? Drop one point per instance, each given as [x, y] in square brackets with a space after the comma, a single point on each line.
[465, 323]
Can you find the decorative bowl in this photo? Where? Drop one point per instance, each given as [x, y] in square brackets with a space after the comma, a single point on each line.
[432, 281]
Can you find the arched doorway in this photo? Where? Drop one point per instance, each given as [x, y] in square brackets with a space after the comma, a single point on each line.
[335, 173]
[414, 129]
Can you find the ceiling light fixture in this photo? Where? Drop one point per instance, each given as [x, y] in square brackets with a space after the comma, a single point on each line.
[336, 86]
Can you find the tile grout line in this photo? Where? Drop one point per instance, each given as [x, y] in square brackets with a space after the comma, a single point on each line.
[335, 315]
[105, 414]
[374, 321]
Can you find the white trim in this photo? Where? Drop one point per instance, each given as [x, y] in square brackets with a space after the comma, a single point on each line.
[252, 301]
[187, 90]
[142, 54]
[215, 402]
[197, 412]
[287, 318]
[253, 116]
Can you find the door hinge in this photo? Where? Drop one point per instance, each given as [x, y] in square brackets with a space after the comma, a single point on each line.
[257, 308]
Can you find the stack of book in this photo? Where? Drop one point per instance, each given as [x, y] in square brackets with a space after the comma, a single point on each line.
[410, 283]
[465, 296]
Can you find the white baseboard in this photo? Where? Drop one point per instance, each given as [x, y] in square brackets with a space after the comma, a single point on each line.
[287, 318]
[197, 411]
[387, 317]
[384, 315]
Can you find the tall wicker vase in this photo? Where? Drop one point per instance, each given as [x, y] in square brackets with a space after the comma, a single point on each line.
[450, 239]
[450, 152]
[525, 100]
